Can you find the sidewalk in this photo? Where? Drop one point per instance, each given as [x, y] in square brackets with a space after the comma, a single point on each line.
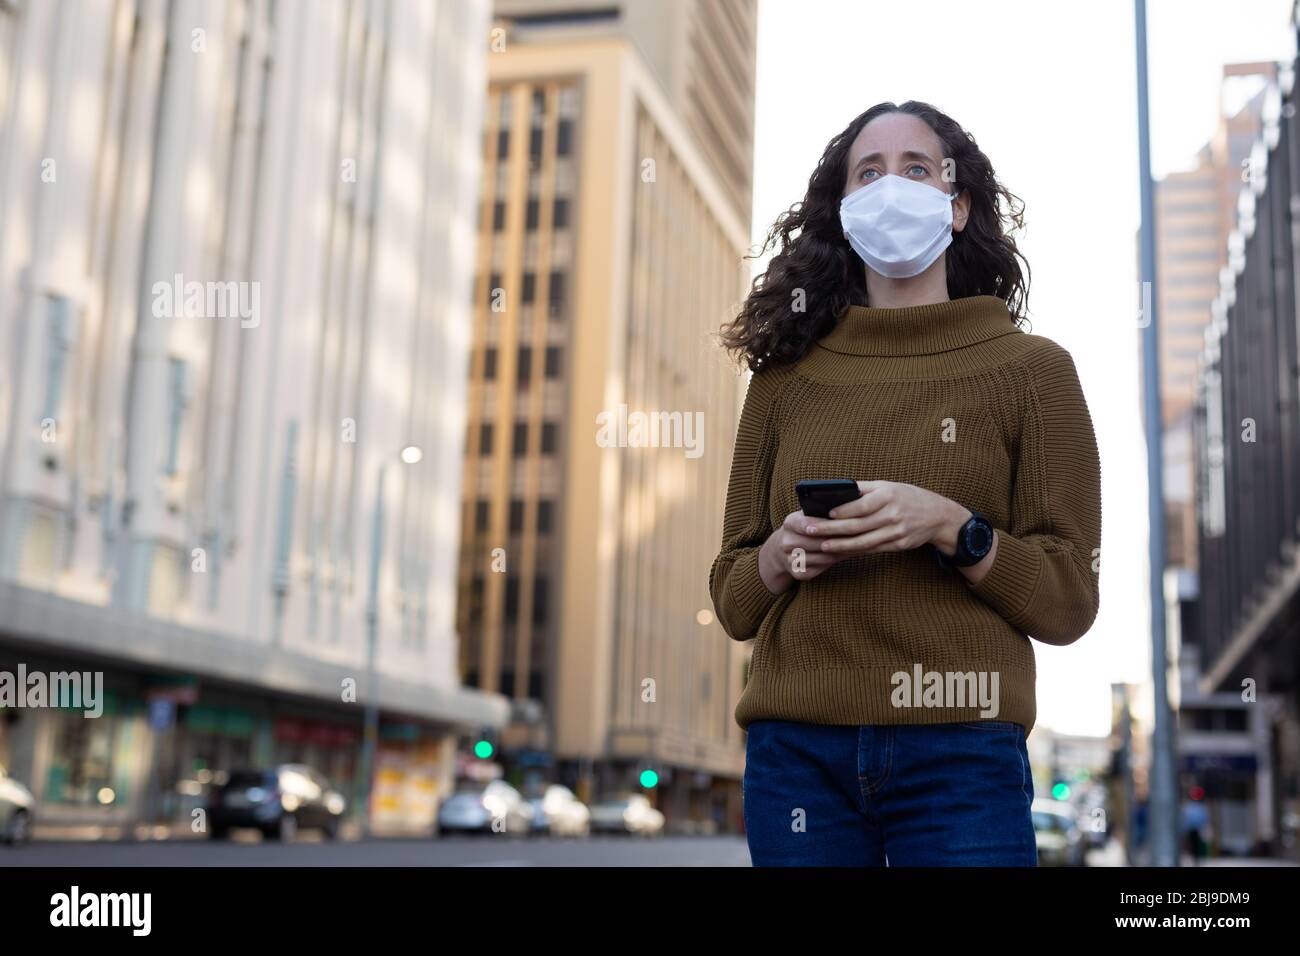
[349, 831]
[1142, 858]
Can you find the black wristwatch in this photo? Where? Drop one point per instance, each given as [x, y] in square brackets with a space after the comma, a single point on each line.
[973, 542]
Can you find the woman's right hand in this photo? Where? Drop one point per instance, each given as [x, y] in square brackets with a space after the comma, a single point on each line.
[777, 564]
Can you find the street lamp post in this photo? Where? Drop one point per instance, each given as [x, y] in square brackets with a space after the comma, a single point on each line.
[410, 455]
[1162, 790]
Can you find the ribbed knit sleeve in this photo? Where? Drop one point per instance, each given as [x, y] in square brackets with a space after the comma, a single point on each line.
[1042, 579]
[740, 597]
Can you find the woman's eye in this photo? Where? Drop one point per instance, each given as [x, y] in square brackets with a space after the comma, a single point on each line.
[865, 172]
[918, 166]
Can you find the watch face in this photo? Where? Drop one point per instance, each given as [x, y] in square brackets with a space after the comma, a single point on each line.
[979, 538]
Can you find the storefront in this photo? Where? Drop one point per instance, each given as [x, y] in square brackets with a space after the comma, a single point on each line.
[415, 769]
[160, 742]
[331, 747]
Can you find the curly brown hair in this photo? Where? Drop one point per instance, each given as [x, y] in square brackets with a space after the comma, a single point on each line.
[815, 258]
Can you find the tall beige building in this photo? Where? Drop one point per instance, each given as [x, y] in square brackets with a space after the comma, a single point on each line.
[611, 245]
[702, 53]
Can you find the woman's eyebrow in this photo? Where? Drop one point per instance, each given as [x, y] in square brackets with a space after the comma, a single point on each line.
[906, 154]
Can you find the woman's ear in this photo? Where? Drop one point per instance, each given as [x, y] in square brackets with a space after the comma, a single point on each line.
[960, 211]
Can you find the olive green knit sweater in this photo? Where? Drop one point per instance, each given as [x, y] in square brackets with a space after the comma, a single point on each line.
[955, 398]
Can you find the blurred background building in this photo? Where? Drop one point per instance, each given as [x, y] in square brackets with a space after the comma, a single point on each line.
[188, 498]
[614, 215]
[1220, 739]
[238, 278]
[1196, 210]
[1226, 282]
[1243, 631]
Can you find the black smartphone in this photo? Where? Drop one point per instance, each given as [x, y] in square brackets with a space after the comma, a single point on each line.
[817, 497]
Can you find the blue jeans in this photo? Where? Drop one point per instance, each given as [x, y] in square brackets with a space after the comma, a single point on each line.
[955, 794]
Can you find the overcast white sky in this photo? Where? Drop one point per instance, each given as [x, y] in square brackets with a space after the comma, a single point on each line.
[1048, 91]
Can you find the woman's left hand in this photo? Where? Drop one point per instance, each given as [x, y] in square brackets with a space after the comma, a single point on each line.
[890, 516]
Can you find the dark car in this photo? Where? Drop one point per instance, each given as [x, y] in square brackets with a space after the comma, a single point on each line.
[1056, 830]
[278, 802]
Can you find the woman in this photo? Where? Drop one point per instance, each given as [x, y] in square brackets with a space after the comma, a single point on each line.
[891, 686]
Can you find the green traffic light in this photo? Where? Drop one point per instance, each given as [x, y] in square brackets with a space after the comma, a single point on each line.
[483, 750]
[1061, 791]
[649, 779]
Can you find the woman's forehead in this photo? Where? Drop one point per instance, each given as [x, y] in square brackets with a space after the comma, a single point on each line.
[893, 134]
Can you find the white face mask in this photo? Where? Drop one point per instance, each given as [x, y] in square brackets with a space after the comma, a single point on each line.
[898, 226]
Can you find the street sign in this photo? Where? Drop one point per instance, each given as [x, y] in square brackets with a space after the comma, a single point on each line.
[162, 712]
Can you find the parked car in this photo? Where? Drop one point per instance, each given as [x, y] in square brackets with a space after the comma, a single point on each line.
[1095, 826]
[278, 802]
[15, 810]
[627, 813]
[1056, 830]
[560, 813]
[476, 803]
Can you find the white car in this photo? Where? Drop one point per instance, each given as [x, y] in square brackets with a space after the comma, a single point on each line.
[628, 813]
[15, 810]
[475, 806]
[560, 813]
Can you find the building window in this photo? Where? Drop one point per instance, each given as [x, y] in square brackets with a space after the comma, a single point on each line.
[490, 363]
[494, 283]
[555, 295]
[548, 438]
[485, 439]
[178, 400]
[476, 590]
[545, 508]
[521, 439]
[524, 370]
[512, 598]
[532, 214]
[481, 515]
[516, 515]
[564, 137]
[503, 143]
[539, 601]
[61, 333]
[552, 361]
[86, 760]
[535, 144]
[498, 215]
[560, 215]
[530, 287]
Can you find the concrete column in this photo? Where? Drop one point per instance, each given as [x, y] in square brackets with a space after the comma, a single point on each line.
[164, 239]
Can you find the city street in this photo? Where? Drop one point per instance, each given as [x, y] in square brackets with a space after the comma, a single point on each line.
[488, 850]
[489, 433]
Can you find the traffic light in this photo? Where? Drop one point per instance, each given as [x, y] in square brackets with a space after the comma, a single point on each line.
[649, 779]
[1060, 790]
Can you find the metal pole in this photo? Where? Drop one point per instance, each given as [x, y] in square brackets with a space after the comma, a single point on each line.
[1130, 798]
[1163, 798]
[372, 633]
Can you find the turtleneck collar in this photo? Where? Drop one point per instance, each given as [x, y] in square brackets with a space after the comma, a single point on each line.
[920, 329]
